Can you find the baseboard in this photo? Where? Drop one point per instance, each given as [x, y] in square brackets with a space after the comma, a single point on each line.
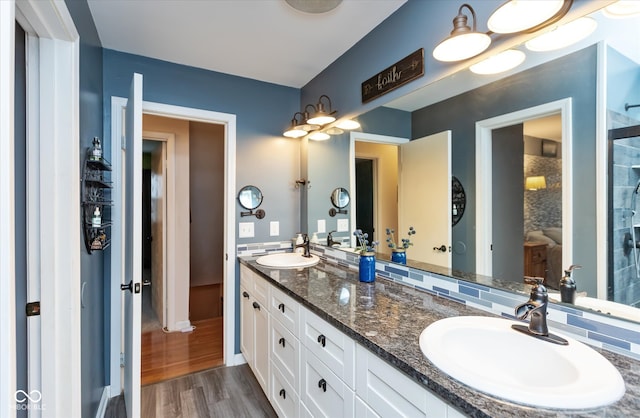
[104, 401]
[237, 360]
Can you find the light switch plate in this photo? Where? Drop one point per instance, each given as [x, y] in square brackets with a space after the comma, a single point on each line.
[343, 225]
[245, 230]
[274, 228]
[322, 226]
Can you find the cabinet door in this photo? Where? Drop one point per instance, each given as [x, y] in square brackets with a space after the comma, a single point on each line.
[283, 397]
[246, 325]
[261, 345]
[363, 410]
[387, 391]
[285, 353]
[324, 394]
[335, 349]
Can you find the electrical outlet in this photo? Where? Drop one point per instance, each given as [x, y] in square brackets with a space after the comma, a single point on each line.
[343, 225]
[245, 230]
[274, 228]
[322, 226]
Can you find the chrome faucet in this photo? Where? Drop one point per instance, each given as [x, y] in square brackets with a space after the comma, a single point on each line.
[305, 245]
[536, 310]
[330, 241]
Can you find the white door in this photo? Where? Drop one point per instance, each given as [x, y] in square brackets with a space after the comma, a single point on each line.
[132, 248]
[424, 198]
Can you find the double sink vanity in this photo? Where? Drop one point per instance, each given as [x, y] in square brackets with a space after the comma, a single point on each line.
[321, 343]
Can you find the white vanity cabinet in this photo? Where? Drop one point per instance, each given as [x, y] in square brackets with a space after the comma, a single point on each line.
[309, 368]
[254, 324]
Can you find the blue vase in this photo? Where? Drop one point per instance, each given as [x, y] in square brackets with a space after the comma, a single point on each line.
[399, 256]
[367, 266]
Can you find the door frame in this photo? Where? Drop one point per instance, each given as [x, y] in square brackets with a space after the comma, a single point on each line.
[176, 112]
[483, 178]
[366, 137]
[54, 84]
[167, 141]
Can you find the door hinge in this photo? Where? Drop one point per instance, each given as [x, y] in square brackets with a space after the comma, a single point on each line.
[33, 308]
[122, 360]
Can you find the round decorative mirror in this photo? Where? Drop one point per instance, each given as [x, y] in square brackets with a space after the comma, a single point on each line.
[250, 198]
[458, 200]
[340, 198]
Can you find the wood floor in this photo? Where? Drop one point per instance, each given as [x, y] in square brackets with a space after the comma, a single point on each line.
[169, 355]
[221, 392]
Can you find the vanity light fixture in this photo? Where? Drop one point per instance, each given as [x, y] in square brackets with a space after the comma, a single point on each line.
[320, 115]
[522, 15]
[316, 123]
[319, 136]
[563, 35]
[297, 129]
[463, 42]
[622, 9]
[501, 62]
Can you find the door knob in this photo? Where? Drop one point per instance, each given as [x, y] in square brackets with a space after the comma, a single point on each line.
[441, 248]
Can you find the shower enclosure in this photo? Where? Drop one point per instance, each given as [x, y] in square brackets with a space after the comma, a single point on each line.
[623, 284]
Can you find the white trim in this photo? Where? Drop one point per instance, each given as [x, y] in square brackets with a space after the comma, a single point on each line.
[602, 197]
[483, 178]
[104, 402]
[7, 218]
[59, 223]
[364, 137]
[169, 212]
[177, 112]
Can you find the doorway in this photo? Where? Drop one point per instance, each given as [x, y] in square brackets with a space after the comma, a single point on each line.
[556, 170]
[182, 218]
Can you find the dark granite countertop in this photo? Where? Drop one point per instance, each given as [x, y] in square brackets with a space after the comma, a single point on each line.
[388, 318]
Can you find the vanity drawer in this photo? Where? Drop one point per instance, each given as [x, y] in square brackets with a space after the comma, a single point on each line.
[285, 353]
[286, 310]
[332, 347]
[256, 286]
[284, 398]
[324, 393]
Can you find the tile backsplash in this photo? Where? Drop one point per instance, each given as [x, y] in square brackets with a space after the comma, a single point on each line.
[598, 330]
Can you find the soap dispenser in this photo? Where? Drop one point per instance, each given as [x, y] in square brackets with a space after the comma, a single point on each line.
[314, 238]
[568, 285]
[299, 241]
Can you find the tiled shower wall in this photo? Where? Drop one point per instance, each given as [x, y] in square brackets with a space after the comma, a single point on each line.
[626, 175]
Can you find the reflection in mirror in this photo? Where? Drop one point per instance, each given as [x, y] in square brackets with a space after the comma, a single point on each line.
[250, 198]
[340, 198]
[458, 102]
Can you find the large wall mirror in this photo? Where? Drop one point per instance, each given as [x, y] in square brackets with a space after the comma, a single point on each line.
[553, 179]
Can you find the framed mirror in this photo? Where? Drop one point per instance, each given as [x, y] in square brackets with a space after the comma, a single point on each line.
[250, 198]
[598, 76]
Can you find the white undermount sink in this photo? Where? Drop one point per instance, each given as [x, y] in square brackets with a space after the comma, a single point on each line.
[287, 260]
[489, 356]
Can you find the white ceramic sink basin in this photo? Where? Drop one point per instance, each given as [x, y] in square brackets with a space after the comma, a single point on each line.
[489, 356]
[287, 260]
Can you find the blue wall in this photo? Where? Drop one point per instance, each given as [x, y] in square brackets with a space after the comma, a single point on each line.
[95, 321]
[263, 157]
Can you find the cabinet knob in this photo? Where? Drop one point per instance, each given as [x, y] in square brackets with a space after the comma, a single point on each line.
[281, 341]
[256, 305]
[322, 340]
[322, 384]
[245, 294]
[281, 307]
[283, 393]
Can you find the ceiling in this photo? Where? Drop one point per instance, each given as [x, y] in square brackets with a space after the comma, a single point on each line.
[265, 40]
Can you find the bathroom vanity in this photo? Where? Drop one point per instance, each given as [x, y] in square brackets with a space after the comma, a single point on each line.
[325, 344]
